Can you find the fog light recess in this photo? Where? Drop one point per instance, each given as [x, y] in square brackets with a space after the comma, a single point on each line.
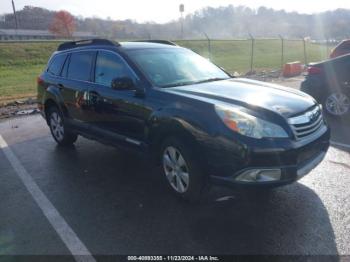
[259, 175]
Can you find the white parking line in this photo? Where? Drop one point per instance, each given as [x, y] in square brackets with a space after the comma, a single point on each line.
[340, 144]
[66, 233]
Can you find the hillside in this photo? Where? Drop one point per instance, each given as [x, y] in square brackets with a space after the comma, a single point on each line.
[233, 21]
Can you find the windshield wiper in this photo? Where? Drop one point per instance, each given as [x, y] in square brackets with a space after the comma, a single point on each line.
[211, 80]
[179, 84]
[196, 82]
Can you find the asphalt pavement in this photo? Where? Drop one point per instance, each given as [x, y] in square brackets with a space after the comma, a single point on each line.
[92, 196]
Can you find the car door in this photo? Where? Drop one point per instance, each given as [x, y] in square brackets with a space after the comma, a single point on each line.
[117, 113]
[346, 77]
[75, 84]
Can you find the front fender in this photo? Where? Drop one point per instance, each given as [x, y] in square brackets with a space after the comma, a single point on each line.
[172, 122]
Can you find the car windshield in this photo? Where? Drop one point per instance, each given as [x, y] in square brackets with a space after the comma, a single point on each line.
[170, 67]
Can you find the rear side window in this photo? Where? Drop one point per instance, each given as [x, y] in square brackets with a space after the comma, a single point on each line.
[56, 65]
[345, 45]
[80, 65]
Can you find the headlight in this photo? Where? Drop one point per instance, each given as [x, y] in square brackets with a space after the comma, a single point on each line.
[248, 125]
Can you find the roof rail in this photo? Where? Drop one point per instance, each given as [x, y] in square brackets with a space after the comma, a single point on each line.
[165, 42]
[87, 42]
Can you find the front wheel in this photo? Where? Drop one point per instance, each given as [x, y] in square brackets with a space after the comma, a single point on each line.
[59, 131]
[182, 170]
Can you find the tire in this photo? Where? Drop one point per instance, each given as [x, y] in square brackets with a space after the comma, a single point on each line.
[62, 135]
[336, 104]
[182, 171]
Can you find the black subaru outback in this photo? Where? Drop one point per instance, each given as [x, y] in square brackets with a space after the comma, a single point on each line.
[185, 113]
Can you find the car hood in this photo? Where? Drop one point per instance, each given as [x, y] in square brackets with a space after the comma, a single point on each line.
[283, 100]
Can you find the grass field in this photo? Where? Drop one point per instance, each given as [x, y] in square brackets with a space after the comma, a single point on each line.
[21, 63]
[235, 55]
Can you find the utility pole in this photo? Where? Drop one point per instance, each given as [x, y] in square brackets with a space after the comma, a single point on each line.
[182, 9]
[14, 13]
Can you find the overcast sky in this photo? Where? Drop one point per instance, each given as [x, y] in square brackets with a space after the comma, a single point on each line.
[165, 10]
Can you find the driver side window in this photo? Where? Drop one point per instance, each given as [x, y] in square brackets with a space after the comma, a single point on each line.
[108, 67]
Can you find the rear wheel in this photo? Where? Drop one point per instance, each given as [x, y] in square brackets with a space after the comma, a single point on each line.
[337, 104]
[62, 135]
[182, 170]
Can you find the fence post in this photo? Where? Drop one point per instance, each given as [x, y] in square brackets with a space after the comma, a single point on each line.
[305, 55]
[282, 51]
[209, 45]
[327, 48]
[252, 53]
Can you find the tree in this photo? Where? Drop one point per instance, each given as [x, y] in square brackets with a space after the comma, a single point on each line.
[63, 24]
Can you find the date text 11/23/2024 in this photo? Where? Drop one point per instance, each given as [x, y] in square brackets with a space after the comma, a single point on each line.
[174, 258]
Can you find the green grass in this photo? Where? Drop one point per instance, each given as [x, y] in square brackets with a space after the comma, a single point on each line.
[18, 80]
[235, 55]
[21, 63]
[26, 53]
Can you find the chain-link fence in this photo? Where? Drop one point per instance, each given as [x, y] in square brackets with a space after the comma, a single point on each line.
[22, 61]
[249, 55]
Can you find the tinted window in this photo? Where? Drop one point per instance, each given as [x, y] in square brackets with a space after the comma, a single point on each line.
[345, 45]
[56, 65]
[108, 67]
[80, 65]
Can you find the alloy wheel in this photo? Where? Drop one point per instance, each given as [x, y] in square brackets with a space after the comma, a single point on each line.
[338, 104]
[176, 169]
[56, 125]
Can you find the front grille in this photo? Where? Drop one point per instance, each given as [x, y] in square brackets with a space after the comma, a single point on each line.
[307, 124]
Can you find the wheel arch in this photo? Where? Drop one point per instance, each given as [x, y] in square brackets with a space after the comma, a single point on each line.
[173, 127]
[53, 98]
[49, 102]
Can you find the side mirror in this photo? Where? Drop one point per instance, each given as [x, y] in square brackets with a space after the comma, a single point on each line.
[123, 83]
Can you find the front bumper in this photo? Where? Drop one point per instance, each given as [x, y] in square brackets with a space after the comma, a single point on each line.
[292, 160]
[290, 174]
